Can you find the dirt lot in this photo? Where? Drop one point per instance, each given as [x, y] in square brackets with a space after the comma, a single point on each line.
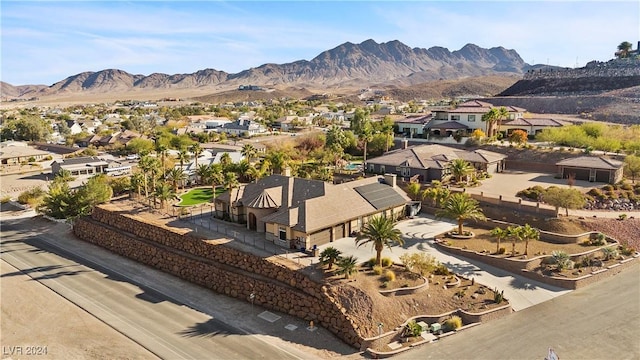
[64, 331]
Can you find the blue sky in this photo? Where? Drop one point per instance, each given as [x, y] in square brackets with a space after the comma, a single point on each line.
[46, 41]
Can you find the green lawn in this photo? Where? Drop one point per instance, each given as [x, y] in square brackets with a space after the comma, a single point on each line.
[198, 196]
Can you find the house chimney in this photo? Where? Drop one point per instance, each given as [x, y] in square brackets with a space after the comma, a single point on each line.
[390, 179]
[286, 171]
[287, 193]
[405, 144]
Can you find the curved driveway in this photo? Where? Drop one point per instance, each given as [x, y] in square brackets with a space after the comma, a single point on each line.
[418, 234]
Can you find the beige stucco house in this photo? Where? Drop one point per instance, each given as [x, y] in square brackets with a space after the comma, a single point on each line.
[302, 213]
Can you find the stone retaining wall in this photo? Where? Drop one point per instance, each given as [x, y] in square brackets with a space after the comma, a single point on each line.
[217, 267]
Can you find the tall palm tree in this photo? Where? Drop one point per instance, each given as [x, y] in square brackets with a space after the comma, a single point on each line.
[242, 169]
[499, 234]
[147, 164]
[366, 136]
[215, 177]
[347, 266]
[379, 231]
[183, 156]
[225, 161]
[249, 151]
[460, 169]
[161, 151]
[176, 176]
[278, 161]
[230, 183]
[503, 114]
[460, 207]
[196, 149]
[623, 49]
[329, 256]
[490, 118]
[164, 192]
[202, 172]
[137, 183]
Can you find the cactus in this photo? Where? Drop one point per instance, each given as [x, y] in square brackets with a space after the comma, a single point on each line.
[498, 297]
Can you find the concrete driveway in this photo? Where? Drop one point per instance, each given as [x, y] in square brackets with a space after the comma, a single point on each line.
[418, 234]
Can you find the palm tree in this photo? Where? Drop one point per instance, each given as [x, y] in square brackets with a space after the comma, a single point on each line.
[347, 266]
[461, 206]
[161, 151]
[225, 161]
[214, 177]
[515, 234]
[149, 166]
[249, 151]
[242, 169]
[503, 114]
[196, 150]
[230, 182]
[490, 118]
[623, 49]
[278, 161]
[379, 231]
[164, 192]
[460, 169]
[366, 136]
[499, 234]
[528, 233]
[137, 183]
[176, 176]
[329, 256]
[183, 156]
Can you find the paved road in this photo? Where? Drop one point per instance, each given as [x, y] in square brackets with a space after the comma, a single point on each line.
[155, 310]
[601, 321]
[418, 234]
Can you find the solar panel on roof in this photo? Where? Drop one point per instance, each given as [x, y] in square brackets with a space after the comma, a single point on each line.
[380, 196]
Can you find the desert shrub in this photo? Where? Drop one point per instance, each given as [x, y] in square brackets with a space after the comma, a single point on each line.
[377, 270]
[386, 262]
[441, 269]
[622, 216]
[599, 240]
[626, 250]
[384, 285]
[626, 186]
[498, 296]
[586, 260]
[32, 197]
[371, 262]
[608, 187]
[502, 250]
[412, 328]
[453, 323]
[609, 253]
[561, 260]
[532, 193]
[5, 199]
[420, 263]
[596, 193]
[390, 275]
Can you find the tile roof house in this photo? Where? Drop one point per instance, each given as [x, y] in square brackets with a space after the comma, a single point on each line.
[531, 126]
[413, 125]
[431, 162]
[468, 114]
[591, 168]
[243, 127]
[302, 213]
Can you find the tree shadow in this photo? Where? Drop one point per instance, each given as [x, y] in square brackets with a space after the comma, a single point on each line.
[209, 328]
[523, 284]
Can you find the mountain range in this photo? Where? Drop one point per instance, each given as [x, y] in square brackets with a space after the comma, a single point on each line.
[356, 65]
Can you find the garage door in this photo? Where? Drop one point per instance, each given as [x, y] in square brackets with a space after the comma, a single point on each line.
[338, 232]
[602, 176]
[320, 238]
[580, 174]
